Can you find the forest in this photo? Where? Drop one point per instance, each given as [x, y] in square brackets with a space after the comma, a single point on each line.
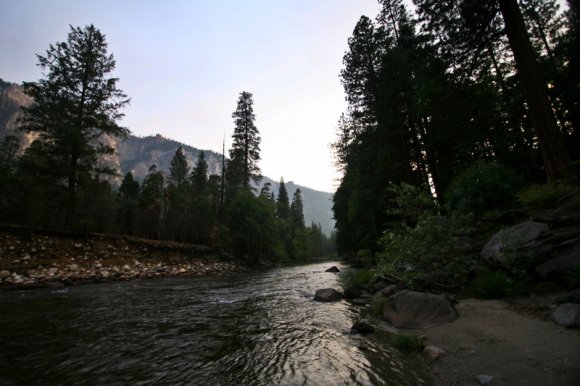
[63, 181]
[458, 113]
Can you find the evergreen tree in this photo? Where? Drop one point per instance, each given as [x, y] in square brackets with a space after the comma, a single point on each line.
[178, 169]
[245, 151]
[283, 202]
[127, 199]
[471, 25]
[9, 186]
[152, 205]
[199, 176]
[75, 103]
[297, 210]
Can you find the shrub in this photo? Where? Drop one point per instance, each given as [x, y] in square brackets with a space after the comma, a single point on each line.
[537, 196]
[482, 187]
[377, 306]
[491, 285]
[407, 343]
[356, 277]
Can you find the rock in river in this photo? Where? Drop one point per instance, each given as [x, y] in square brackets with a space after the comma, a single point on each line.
[334, 268]
[409, 309]
[327, 295]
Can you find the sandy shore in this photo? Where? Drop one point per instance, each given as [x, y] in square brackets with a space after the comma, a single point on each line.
[492, 338]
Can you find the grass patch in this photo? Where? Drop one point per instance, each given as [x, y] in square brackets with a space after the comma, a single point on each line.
[407, 343]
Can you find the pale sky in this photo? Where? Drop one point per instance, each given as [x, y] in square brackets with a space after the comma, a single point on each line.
[184, 63]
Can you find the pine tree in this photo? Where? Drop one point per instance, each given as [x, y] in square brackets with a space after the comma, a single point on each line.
[467, 27]
[199, 175]
[245, 151]
[127, 198]
[178, 169]
[283, 202]
[297, 210]
[75, 104]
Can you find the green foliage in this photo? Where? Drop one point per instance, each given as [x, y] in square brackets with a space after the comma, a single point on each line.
[356, 277]
[253, 229]
[377, 306]
[366, 258]
[491, 285]
[407, 343]
[540, 196]
[245, 150]
[409, 203]
[283, 202]
[482, 187]
[75, 104]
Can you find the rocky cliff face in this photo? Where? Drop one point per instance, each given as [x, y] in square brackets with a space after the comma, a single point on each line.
[138, 154]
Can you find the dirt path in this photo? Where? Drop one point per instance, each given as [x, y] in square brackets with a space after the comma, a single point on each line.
[490, 338]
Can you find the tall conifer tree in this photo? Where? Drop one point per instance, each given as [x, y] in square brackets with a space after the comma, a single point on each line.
[245, 151]
[75, 104]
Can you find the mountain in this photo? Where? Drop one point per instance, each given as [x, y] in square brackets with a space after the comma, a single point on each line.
[137, 154]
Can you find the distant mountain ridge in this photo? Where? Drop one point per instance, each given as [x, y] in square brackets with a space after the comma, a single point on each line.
[137, 154]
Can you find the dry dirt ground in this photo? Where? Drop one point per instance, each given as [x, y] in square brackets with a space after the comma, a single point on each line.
[492, 337]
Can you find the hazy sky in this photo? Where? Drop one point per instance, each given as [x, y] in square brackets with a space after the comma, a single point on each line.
[184, 63]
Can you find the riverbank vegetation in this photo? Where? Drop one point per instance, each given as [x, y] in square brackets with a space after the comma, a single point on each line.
[462, 120]
[63, 180]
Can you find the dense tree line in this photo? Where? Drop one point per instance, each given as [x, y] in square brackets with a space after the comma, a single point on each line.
[63, 180]
[459, 84]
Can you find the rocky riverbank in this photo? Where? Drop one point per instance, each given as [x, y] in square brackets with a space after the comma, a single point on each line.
[31, 259]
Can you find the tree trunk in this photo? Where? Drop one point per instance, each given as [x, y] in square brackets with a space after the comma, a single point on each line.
[554, 154]
[71, 193]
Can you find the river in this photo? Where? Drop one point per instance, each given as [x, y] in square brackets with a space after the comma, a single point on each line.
[258, 328]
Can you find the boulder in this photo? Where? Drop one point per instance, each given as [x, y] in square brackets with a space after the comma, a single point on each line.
[334, 268]
[379, 285]
[566, 260]
[410, 309]
[389, 290]
[327, 295]
[567, 315]
[570, 297]
[510, 239]
[352, 292]
[361, 301]
[5, 274]
[362, 328]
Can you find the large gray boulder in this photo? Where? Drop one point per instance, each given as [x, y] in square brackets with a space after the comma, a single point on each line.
[567, 315]
[409, 309]
[567, 258]
[327, 295]
[506, 241]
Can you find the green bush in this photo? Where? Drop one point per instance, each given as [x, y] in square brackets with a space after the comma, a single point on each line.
[491, 285]
[377, 306]
[482, 187]
[356, 277]
[537, 196]
[407, 343]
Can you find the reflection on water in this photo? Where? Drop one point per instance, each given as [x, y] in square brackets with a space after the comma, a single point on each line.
[260, 328]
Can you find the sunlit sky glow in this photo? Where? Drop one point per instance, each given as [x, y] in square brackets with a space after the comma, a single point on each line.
[184, 63]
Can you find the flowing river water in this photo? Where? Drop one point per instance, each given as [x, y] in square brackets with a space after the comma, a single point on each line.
[252, 328]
